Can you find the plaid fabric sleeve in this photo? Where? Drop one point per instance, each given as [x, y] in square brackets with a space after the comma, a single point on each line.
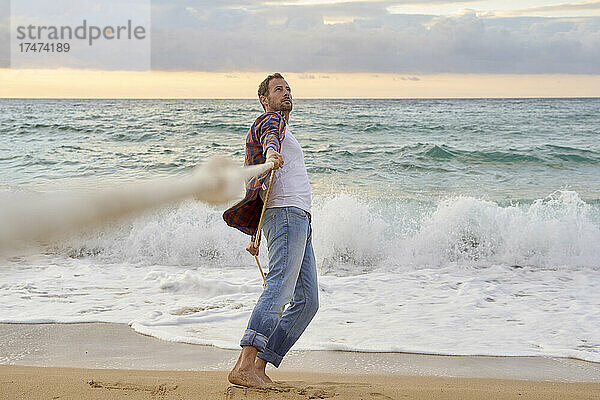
[268, 131]
[272, 131]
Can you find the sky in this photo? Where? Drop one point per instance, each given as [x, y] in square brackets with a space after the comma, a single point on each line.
[329, 48]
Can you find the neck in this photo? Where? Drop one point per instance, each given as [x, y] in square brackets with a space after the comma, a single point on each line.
[284, 114]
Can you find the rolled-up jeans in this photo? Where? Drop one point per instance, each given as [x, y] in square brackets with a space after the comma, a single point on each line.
[292, 278]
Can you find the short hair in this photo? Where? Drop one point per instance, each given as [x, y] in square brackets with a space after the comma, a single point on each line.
[263, 88]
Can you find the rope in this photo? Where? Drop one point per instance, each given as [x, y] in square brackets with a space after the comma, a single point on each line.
[28, 220]
[260, 221]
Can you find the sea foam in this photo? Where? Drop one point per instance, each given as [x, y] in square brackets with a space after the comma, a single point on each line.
[459, 276]
[355, 232]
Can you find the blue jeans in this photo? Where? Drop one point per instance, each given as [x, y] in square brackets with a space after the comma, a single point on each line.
[292, 279]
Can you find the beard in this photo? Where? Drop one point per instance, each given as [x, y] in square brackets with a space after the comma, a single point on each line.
[281, 106]
[287, 106]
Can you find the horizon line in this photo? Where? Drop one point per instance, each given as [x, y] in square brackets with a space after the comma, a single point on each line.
[307, 98]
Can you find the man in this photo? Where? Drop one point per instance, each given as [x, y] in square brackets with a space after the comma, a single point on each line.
[292, 276]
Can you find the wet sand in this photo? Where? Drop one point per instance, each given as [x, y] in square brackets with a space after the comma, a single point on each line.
[110, 361]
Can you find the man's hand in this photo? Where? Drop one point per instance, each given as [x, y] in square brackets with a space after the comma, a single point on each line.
[251, 249]
[275, 157]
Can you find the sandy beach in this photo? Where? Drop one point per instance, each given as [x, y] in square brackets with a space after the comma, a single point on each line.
[17, 382]
[109, 361]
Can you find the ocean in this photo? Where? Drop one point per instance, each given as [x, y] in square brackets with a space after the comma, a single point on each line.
[441, 226]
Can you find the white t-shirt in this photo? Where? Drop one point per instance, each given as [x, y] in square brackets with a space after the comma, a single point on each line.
[290, 184]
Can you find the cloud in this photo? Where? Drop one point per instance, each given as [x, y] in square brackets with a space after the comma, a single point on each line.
[296, 39]
[4, 33]
[298, 36]
[580, 6]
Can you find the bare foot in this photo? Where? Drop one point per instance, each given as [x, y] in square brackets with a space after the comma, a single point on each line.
[247, 378]
[262, 375]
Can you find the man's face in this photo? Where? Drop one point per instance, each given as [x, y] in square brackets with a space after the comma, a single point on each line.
[279, 96]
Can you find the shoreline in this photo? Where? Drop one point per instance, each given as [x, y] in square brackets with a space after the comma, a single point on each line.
[91, 361]
[117, 346]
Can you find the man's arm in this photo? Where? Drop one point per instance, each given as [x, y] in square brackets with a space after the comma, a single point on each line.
[271, 135]
[272, 132]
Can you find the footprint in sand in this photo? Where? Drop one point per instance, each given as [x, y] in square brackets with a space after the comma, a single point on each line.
[160, 390]
[380, 396]
[280, 392]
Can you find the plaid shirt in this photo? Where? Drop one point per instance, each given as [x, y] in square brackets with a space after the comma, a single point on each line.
[268, 131]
